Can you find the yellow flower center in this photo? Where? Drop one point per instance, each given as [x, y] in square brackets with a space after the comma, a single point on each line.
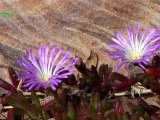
[136, 56]
[46, 77]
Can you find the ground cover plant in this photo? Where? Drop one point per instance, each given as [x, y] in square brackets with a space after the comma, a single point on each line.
[52, 84]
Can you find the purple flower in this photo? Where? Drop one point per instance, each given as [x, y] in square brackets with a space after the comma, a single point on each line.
[47, 70]
[134, 47]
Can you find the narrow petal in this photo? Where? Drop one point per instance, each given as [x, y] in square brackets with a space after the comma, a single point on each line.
[136, 47]
[47, 70]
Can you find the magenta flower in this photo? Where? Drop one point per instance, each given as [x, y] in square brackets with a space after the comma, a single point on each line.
[134, 47]
[47, 70]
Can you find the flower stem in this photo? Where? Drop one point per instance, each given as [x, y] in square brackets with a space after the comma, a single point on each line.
[57, 99]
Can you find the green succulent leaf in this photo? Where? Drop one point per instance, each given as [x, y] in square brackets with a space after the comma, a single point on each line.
[95, 101]
[35, 99]
[36, 102]
[71, 111]
[45, 115]
[32, 115]
[12, 101]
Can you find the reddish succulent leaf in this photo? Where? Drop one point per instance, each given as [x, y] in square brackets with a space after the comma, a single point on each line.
[90, 74]
[111, 115]
[26, 105]
[119, 87]
[53, 114]
[126, 116]
[135, 116]
[83, 111]
[156, 61]
[71, 80]
[80, 65]
[150, 109]
[118, 108]
[100, 112]
[125, 82]
[64, 98]
[146, 116]
[5, 85]
[104, 72]
[58, 116]
[93, 78]
[86, 118]
[48, 106]
[10, 114]
[155, 86]
[4, 99]
[118, 76]
[104, 76]
[82, 83]
[106, 87]
[18, 100]
[154, 109]
[155, 117]
[13, 76]
[152, 71]
[124, 85]
[143, 103]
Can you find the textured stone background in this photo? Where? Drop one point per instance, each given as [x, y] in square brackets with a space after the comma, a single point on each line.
[79, 25]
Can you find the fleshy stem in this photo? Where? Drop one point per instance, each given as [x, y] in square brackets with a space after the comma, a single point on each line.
[57, 99]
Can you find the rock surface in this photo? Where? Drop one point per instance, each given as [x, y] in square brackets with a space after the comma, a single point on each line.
[79, 25]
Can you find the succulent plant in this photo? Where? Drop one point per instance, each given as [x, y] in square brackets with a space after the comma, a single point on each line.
[43, 88]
